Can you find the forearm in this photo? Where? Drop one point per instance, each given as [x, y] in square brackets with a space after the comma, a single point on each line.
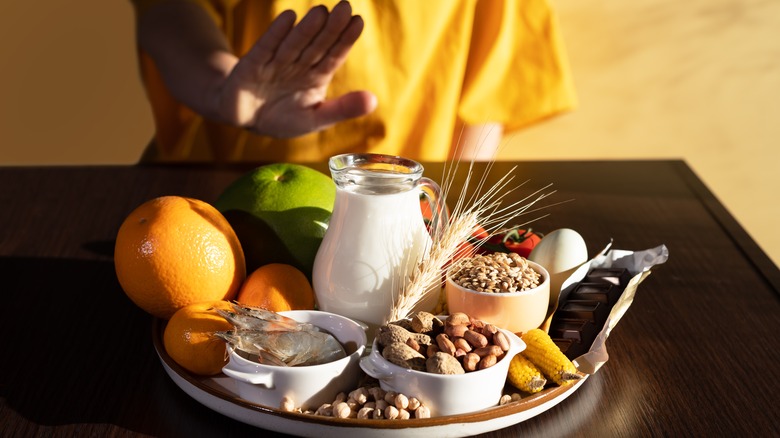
[191, 53]
[477, 142]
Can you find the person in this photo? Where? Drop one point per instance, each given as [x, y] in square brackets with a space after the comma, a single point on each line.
[237, 80]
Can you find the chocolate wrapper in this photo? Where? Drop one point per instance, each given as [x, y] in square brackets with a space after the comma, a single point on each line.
[638, 264]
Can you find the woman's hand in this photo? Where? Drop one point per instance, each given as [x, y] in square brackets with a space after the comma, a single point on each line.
[278, 88]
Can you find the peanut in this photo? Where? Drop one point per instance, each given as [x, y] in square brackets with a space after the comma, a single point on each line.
[456, 331]
[489, 330]
[457, 318]
[462, 344]
[487, 362]
[470, 362]
[476, 339]
[500, 339]
[494, 350]
[444, 343]
[414, 345]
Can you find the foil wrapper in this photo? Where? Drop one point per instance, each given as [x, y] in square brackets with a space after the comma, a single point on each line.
[639, 265]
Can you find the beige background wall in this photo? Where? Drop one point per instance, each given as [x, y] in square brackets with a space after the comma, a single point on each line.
[698, 80]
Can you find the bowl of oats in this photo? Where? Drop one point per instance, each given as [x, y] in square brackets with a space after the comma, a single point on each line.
[504, 289]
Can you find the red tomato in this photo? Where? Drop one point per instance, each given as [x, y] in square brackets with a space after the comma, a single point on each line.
[471, 246]
[521, 241]
[516, 240]
[427, 211]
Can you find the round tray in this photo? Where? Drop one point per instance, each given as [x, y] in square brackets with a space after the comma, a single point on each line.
[219, 393]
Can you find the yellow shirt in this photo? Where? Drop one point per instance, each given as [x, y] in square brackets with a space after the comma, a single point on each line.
[433, 65]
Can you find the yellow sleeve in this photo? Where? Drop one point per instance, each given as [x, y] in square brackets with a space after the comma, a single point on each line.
[517, 71]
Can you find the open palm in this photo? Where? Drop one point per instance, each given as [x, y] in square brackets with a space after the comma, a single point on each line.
[278, 88]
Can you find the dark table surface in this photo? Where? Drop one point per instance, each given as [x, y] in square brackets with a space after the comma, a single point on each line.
[697, 353]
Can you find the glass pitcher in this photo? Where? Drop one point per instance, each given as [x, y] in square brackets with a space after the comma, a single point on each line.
[376, 236]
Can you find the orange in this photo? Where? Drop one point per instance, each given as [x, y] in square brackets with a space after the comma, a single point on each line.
[277, 287]
[189, 338]
[173, 251]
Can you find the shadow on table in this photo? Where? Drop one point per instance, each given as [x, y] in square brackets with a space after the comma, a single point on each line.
[77, 351]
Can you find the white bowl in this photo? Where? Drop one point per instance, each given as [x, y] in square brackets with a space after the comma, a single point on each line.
[308, 386]
[451, 394]
[515, 311]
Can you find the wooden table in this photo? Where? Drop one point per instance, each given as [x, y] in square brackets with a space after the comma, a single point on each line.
[697, 354]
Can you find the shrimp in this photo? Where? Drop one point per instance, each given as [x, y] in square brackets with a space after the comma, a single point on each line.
[257, 317]
[275, 339]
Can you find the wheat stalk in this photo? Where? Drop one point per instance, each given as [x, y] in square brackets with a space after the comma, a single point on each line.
[483, 207]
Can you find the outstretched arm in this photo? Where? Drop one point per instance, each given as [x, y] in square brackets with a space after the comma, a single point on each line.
[278, 88]
[477, 142]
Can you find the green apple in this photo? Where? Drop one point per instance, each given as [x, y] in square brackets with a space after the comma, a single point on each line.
[289, 206]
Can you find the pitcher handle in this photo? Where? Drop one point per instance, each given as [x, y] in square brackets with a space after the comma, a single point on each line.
[440, 216]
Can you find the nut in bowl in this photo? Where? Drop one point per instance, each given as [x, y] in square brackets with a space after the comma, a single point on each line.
[307, 386]
[514, 310]
[444, 392]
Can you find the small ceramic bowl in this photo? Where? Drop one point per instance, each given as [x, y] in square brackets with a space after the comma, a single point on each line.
[451, 394]
[513, 311]
[308, 386]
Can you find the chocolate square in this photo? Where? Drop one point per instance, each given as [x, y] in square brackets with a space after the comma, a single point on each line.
[564, 344]
[602, 292]
[579, 331]
[593, 311]
[616, 276]
[575, 335]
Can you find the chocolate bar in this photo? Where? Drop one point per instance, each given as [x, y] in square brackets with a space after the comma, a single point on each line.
[584, 307]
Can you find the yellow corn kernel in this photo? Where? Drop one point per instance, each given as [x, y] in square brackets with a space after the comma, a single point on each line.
[524, 375]
[542, 352]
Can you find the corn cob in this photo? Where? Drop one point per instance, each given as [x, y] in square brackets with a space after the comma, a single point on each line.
[524, 375]
[542, 352]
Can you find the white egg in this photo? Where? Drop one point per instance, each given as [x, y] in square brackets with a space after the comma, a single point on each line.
[560, 250]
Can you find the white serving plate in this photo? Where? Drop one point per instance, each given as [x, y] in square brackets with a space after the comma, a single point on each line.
[220, 394]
